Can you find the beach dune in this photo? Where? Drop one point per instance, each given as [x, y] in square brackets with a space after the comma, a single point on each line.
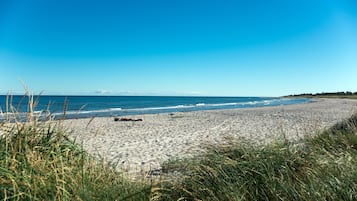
[141, 146]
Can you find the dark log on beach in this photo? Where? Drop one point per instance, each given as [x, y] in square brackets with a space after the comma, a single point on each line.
[126, 119]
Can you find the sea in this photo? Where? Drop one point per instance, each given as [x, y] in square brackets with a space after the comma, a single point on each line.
[111, 106]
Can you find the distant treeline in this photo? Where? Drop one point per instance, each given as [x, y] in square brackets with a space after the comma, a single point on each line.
[343, 93]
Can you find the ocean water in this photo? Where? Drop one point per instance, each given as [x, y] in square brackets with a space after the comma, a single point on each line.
[101, 106]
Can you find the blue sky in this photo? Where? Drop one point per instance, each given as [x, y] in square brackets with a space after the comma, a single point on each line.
[178, 47]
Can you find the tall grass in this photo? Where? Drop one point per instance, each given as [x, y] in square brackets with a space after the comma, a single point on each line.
[322, 168]
[38, 161]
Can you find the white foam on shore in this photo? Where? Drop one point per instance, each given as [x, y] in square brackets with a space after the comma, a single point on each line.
[198, 106]
[155, 110]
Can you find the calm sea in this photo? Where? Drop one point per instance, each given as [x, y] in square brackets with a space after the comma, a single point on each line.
[89, 106]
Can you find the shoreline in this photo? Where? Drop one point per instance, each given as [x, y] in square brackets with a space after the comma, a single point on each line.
[144, 145]
[87, 107]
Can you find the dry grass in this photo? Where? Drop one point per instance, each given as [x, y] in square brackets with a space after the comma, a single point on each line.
[322, 168]
[39, 162]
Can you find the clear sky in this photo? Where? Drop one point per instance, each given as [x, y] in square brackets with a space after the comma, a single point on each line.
[178, 47]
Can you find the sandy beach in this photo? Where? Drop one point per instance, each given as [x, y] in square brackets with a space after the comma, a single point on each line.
[144, 145]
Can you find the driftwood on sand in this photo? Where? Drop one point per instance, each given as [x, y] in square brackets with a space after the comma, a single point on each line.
[126, 119]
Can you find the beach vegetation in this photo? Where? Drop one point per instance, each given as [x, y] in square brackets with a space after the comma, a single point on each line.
[39, 161]
[342, 94]
[322, 167]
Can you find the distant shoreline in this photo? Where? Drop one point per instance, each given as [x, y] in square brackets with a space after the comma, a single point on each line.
[343, 95]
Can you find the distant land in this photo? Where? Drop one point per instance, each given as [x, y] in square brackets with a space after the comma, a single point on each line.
[342, 94]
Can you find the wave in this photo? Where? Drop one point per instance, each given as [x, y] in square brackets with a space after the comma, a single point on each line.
[160, 108]
[74, 112]
[177, 107]
[200, 104]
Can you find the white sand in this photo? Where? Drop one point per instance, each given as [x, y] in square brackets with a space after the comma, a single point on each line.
[137, 146]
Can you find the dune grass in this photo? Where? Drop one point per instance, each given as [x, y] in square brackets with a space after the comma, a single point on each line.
[39, 162]
[320, 168]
